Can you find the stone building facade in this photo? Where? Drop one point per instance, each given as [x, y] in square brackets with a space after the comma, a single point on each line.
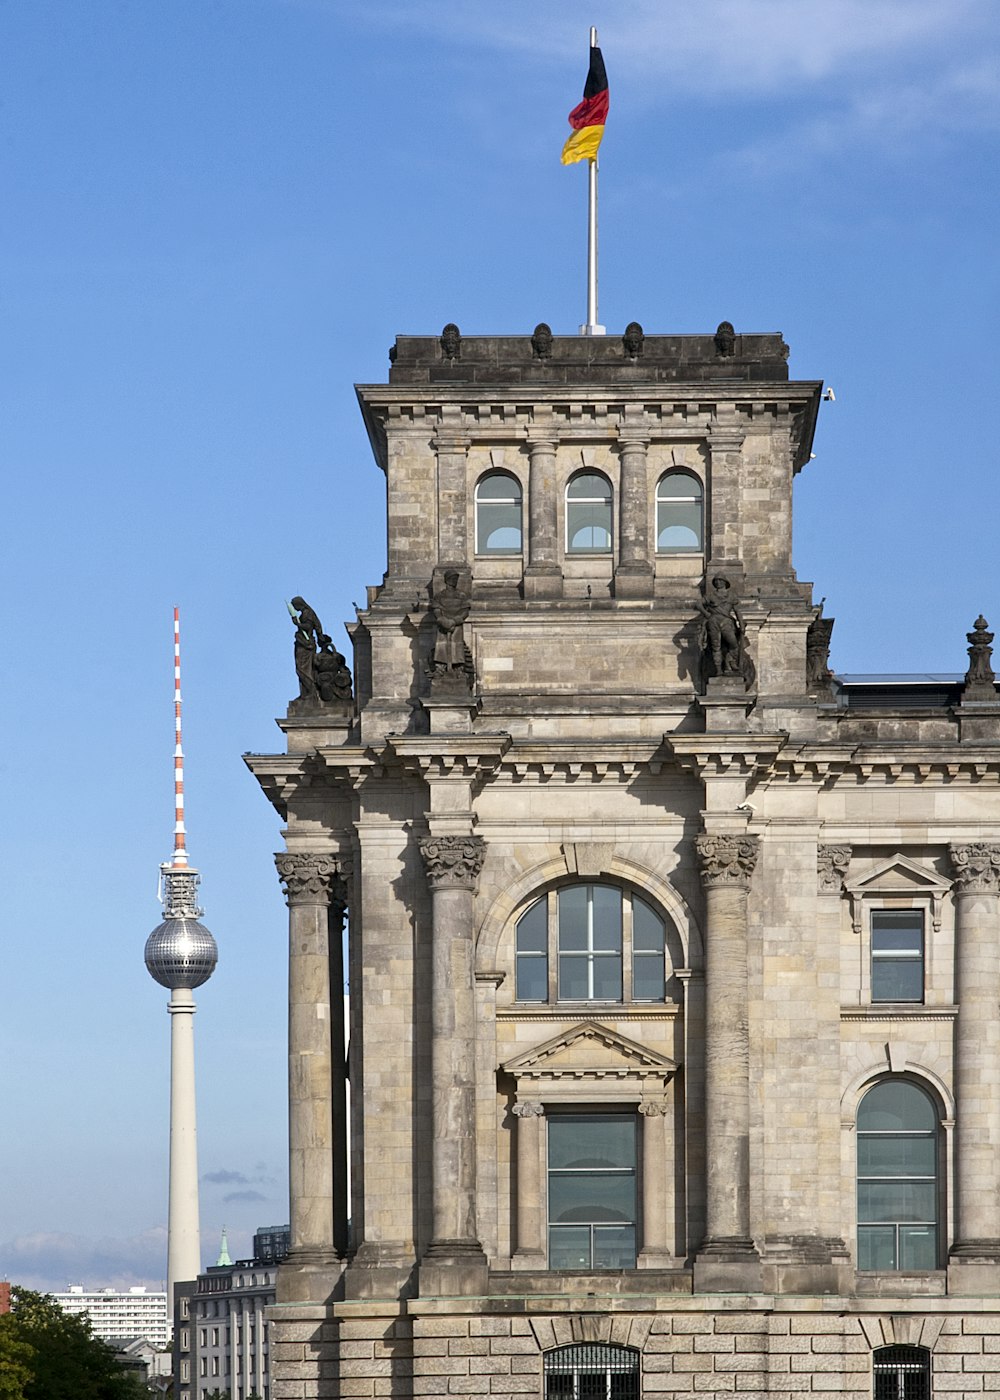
[674, 957]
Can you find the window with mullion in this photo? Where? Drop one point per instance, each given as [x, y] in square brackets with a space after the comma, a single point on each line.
[897, 1136]
[897, 942]
[592, 1191]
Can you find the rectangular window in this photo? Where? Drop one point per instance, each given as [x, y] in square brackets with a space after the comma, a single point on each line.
[897, 955]
[592, 1191]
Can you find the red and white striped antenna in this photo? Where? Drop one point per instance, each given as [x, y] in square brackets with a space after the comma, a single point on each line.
[180, 860]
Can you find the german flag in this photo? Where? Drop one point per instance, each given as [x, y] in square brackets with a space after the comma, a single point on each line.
[587, 120]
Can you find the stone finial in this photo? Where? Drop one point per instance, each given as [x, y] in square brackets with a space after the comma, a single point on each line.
[453, 862]
[633, 340]
[541, 341]
[831, 867]
[307, 878]
[727, 860]
[975, 867]
[980, 681]
[451, 341]
[725, 340]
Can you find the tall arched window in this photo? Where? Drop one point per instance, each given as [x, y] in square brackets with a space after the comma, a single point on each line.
[591, 1371]
[590, 943]
[897, 1178]
[901, 1373]
[498, 514]
[588, 514]
[680, 524]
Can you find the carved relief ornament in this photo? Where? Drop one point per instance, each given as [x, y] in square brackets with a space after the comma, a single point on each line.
[453, 862]
[307, 878]
[976, 867]
[727, 860]
[831, 866]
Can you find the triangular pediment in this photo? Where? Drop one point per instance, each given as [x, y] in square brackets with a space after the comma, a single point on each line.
[590, 1049]
[897, 875]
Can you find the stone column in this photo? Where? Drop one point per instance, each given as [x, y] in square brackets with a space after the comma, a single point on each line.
[727, 863]
[313, 1263]
[531, 1187]
[542, 576]
[976, 869]
[634, 574]
[454, 1262]
[658, 1168]
[338, 1066]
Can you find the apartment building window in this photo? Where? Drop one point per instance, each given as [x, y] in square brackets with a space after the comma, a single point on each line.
[901, 1373]
[591, 1372]
[592, 1191]
[897, 954]
[898, 1190]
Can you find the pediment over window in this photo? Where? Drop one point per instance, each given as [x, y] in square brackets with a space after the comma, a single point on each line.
[901, 877]
[591, 1061]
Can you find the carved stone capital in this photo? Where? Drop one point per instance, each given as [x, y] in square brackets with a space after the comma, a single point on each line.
[453, 862]
[528, 1110]
[307, 878]
[831, 867]
[976, 867]
[727, 860]
[654, 1109]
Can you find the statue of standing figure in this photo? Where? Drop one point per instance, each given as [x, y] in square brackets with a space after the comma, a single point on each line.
[321, 669]
[451, 660]
[722, 633]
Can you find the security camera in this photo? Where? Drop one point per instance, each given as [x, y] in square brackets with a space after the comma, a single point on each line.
[830, 396]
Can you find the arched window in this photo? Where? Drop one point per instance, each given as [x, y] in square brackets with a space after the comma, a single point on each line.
[897, 1178]
[498, 514]
[588, 514]
[591, 1371]
[680, 525]
[901, 1373]
[590, 943]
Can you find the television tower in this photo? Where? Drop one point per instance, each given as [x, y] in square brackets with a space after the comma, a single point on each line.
[181, 954]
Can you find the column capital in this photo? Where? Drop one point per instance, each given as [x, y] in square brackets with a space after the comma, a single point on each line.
[727, 861]
[452, 862]
[528, 1110]
[307, 878]
[451, 440]
[975, 867]
[634, 437]
[831, 867]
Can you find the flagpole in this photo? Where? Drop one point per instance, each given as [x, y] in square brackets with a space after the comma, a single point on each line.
[592, 328]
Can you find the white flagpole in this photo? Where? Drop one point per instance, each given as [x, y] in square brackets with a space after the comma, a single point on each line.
[592, 328]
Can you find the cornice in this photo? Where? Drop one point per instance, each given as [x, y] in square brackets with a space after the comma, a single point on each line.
[722, 754]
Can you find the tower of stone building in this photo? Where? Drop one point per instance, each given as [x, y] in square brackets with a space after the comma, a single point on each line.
[670, 950]
[181, 954]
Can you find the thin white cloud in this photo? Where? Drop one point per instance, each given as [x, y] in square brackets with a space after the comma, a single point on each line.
[50, 1261]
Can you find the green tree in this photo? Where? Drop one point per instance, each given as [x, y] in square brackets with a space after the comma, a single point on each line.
[17, 1359]
[68, 1362]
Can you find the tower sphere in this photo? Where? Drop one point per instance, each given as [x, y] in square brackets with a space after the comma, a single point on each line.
[181, 953]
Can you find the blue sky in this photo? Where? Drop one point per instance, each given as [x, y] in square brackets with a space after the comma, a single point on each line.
[219, 213]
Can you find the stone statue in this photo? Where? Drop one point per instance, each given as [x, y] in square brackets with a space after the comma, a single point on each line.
[722, 634]
[725, 339]
[633, 340]
[324, 678]
[818, 671]
[541, 341]
[451, 341]
[333, 678]
[451, 660]
[980, 680]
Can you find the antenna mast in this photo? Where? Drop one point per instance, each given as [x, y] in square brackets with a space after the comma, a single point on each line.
[180, 859]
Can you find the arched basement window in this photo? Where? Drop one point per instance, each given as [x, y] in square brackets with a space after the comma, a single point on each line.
[591, 1371]
[498, 514]
[897, 1178]
[901, 1373]
[680, 526]
[588, 514]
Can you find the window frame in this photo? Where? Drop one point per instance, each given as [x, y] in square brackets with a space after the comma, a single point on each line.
[900, 1179]
[589, 551]
[557, 1117]
[627, 955]
[481, 550]
[877, 958]
[668, 551]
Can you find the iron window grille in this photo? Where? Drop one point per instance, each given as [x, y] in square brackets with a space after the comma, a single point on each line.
[901, 1373]
[592, 1371]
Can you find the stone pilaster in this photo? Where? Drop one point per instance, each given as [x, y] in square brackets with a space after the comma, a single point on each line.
[454, 1262]
[314, 1263]
[452, 447]
[727, 1258]
[657, 1250]
[634, 574]
[975, 1255]
[542, 576]
[531, 1246]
